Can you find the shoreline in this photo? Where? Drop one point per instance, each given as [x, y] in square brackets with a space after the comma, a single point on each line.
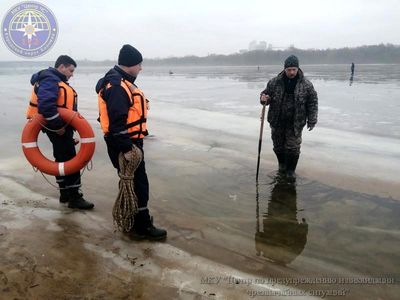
[208, 239]
[124, 263]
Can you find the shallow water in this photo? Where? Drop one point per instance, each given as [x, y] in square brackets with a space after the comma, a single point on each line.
[339, 219]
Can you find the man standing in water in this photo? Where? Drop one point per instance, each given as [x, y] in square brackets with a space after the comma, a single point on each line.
[123, 112]
[50, 91]
[293, 103]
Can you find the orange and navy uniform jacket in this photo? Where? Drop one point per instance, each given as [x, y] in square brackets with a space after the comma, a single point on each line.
[122, 109]
[50, 91]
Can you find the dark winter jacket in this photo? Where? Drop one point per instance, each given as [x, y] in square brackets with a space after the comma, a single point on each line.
[305, 97]
[118, 104]
[47, 93]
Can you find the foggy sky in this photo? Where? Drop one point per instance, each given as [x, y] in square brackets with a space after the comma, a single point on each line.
[96, 29]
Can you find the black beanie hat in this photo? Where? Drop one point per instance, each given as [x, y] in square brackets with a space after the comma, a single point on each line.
[129, 56]
[292, 61]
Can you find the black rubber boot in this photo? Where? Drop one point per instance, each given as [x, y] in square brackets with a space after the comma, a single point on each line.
[76, 200]
[281, 161]
[64, 196]
[291, 164]
[144, 228]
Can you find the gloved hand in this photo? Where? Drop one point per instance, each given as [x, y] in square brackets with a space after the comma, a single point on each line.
[310, 126]
[264, 99]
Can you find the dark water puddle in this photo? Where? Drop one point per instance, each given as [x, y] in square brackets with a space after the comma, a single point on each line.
[350, 231]
[305, 225]
[302, 229]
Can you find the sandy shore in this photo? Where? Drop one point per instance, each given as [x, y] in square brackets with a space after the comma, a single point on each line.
[49, 251]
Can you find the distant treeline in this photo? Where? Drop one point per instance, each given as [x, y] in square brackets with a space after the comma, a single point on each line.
[376, 54]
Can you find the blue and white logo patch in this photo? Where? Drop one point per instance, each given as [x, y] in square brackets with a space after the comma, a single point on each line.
[29, 29]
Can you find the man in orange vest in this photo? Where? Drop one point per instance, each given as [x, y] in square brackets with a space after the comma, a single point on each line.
[123, 112]
[50, 91]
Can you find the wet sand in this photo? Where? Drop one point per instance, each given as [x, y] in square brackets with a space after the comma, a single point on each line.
[51, 252]
[227, 238]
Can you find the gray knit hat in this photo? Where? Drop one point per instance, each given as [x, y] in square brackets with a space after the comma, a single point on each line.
[292, 61]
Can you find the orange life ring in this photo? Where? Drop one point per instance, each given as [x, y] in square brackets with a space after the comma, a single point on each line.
[37, 159]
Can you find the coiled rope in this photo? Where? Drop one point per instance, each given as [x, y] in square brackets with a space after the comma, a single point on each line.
[126, 204]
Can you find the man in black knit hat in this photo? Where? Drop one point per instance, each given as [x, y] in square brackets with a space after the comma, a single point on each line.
[123, 112]
[293, 103]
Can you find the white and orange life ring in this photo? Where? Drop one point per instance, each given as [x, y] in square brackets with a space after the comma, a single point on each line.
[37, 159]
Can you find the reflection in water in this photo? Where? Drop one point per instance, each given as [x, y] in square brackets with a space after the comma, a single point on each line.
[351, 78]
[282, 237]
